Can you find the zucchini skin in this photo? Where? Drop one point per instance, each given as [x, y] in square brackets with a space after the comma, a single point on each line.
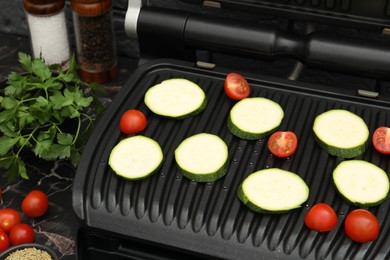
[208, 177]
[346, 153]
[244, 199]
[233, 129]
[359, 204]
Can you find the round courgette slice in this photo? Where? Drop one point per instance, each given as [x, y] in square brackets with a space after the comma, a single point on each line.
[136, 157]
[273, 191]
[361, 183]
[254, 118]
[176, 98]
[341, 133]
[202, 157]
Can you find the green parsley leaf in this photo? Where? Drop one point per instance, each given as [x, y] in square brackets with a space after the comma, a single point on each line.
[65, 138]
[42, 148]
[75, 157]
[81, 101]
[9, 103]
[7, 143]
[22, 169]
[25, 61]
[40, 69]
[8, 130]
[59, 100]
[7, 114]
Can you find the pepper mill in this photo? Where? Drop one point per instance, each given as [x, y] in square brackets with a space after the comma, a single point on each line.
[48, 31]
[95, 40]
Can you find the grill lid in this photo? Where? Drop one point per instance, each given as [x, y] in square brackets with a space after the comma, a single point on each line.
[353, 13]
[208, 218]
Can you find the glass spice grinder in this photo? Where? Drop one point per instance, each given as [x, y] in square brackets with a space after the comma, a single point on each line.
[95, 40]
[48, 31]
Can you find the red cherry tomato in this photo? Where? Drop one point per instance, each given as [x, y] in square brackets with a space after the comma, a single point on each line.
[21, 234]
[8, 219]
[35, 204]
[236, 87]
[321, 217]
[381, 139]
[283, 144]
[4, 241]
[361, 226]
[132, 121]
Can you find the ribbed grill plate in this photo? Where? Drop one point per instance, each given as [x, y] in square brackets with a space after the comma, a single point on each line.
[207, 217]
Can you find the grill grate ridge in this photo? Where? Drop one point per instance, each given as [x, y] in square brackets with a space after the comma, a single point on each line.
[203, 215]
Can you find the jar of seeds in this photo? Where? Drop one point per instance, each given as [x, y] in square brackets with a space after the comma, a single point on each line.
[48, 30]
[95, 40]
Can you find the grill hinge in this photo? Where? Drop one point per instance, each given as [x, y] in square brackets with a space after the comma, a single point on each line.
[386, 31]
[205, 65]
[367, 93]
[213, 4]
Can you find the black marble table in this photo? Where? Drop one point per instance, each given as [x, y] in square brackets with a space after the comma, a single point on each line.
[59, 226]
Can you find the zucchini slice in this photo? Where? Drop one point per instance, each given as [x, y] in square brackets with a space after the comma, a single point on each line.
[136, 157]
[361, 183]
[341, 133]
[202, 157]
[176, 98]
[254, 118]
[273, 191]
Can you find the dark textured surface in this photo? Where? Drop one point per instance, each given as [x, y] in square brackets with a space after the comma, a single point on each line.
[58, 228]
[208, 218]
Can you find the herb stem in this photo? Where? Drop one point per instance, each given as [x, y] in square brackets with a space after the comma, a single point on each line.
[26, 100]
[27, 140]
[77, 131]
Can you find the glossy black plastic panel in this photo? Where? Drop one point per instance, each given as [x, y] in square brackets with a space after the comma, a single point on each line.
[207, 218]
[354, 13]
[178, 32]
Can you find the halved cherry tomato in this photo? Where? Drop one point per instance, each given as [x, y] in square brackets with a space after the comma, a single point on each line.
[321, 217]
[361, 226]
[21, 234]
[4, 241]
[236, 87]
[283, 144]
[8, 219]
[381, 139]
[35, 204]
[132, 121]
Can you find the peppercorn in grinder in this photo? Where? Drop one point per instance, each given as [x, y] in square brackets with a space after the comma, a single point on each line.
[95, 40]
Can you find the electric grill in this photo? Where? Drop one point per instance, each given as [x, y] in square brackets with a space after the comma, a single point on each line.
[167, 216]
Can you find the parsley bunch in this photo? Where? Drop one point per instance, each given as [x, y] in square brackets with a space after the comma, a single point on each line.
[33, 108]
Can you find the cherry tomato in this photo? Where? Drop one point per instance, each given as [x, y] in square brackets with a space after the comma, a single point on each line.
[35, 204]
[283, 144]
[132, 121]
[236, 87]
[8, 219]
[361, 226]
[21, 234]
[4, 241]
[381, 139]
[321, 217]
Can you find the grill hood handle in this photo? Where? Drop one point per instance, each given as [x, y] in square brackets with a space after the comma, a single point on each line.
[172, 33]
